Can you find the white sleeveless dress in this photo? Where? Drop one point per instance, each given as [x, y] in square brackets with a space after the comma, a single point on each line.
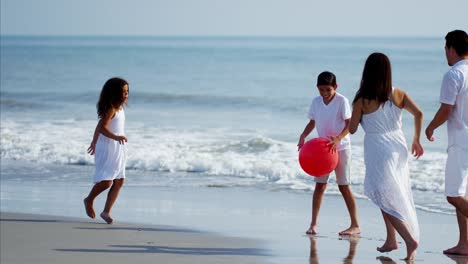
[110, 156]
[387, 181]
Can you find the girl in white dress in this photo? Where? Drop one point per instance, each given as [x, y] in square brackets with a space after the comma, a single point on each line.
[377, 106]
[108, 146]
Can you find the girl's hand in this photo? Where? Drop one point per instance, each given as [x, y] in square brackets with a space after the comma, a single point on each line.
[334, 141]
[121, 139]
[416, 149]
[92, 148]
[300, 143]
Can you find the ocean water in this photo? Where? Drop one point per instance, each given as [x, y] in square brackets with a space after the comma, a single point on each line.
[203, 111]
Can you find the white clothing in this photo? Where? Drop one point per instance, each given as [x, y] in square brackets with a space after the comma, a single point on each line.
[387, 181]
[456, 173]
[330, 119]
[110, 156]
[454, 92]
[342, 170]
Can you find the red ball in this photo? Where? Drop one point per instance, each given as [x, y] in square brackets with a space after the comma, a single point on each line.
[316, 157]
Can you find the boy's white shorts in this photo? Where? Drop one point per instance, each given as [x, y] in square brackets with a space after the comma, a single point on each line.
[456, 172]
[342, 170]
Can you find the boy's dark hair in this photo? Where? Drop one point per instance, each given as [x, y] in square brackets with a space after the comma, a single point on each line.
[376, 82]
[326, 78]
[111, 96]
[457, 39]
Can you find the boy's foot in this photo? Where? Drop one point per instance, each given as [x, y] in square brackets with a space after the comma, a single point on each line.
[89, 208]
[107, 218]
[456, 250]
[312, 230]
[387, 247]
[350, 231]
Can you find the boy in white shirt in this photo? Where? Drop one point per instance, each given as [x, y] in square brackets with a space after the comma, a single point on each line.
[330, 113]
[454, 110]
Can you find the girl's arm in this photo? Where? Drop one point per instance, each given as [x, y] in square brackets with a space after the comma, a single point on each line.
[309, 127]
[104, 128]
[355, 117]
[404, 101]
[92, 147]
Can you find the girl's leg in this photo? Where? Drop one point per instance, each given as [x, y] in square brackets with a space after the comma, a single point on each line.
[316, 203]
[111, 198]
[351, 205]
[391, 242]
[403, 230]
[97, 189]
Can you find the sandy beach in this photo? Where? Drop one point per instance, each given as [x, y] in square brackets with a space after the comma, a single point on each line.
[238, 226]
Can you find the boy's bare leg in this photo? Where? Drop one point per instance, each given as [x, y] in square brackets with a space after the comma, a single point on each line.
[111, 198]
[403, 230]
[316, 203]
[351, 205]
[97, 189]
[390, 242]
[462, 247]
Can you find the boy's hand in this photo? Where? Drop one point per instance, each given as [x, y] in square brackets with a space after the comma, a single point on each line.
[430, 134]
[92, 148]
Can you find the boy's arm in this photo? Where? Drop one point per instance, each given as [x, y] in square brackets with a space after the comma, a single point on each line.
[309, 127]
[335, 140]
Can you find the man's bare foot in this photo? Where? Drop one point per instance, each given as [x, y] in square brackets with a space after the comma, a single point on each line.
[107, 218]
[350, 231]
[89, 208]
[312, 230]
[457, 250]
[411, 251]
[387, 247]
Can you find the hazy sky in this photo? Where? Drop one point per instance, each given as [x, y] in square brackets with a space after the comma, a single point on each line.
[234, 17]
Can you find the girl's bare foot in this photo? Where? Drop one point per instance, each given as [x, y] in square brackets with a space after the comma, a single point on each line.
[388, 246]
[411, 250]
[350, 231]
[312, 230]
[457, 250]
[89, 208]
[107, 218]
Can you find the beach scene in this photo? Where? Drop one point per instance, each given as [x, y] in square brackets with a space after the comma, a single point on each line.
[212, 121]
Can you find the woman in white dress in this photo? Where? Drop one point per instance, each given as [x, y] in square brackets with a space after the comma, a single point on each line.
[108, 146]
[378, 106]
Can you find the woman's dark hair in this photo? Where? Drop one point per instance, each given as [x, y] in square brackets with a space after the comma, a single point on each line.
[326, 78]
[457, 39]
[376, 82]
[111, 96]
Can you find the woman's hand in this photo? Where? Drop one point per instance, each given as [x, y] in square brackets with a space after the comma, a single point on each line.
[92, 148]
[121, 139]
[301, 142]
[416, 149]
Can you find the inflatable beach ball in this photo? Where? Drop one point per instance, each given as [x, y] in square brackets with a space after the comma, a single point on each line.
[316, 157]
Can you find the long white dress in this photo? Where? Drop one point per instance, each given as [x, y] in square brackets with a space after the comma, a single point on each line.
[387, 181]
[110, 156]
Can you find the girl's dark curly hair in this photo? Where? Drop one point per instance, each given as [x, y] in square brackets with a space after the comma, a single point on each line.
[111, 96]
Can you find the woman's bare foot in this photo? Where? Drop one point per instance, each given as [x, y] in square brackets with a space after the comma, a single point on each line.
[312, 230]
[411, 250]
[457, 250]
[388, 246]
[350, 231]
[89, 208]
[107, 218]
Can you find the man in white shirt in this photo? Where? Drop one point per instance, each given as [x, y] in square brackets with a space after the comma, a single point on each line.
[454, 110]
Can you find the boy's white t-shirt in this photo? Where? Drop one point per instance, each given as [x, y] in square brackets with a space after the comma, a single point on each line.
[330, 119]
[454, 92]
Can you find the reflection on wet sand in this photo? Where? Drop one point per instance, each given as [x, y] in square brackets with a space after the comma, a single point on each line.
[458, 259]
[348, 259]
